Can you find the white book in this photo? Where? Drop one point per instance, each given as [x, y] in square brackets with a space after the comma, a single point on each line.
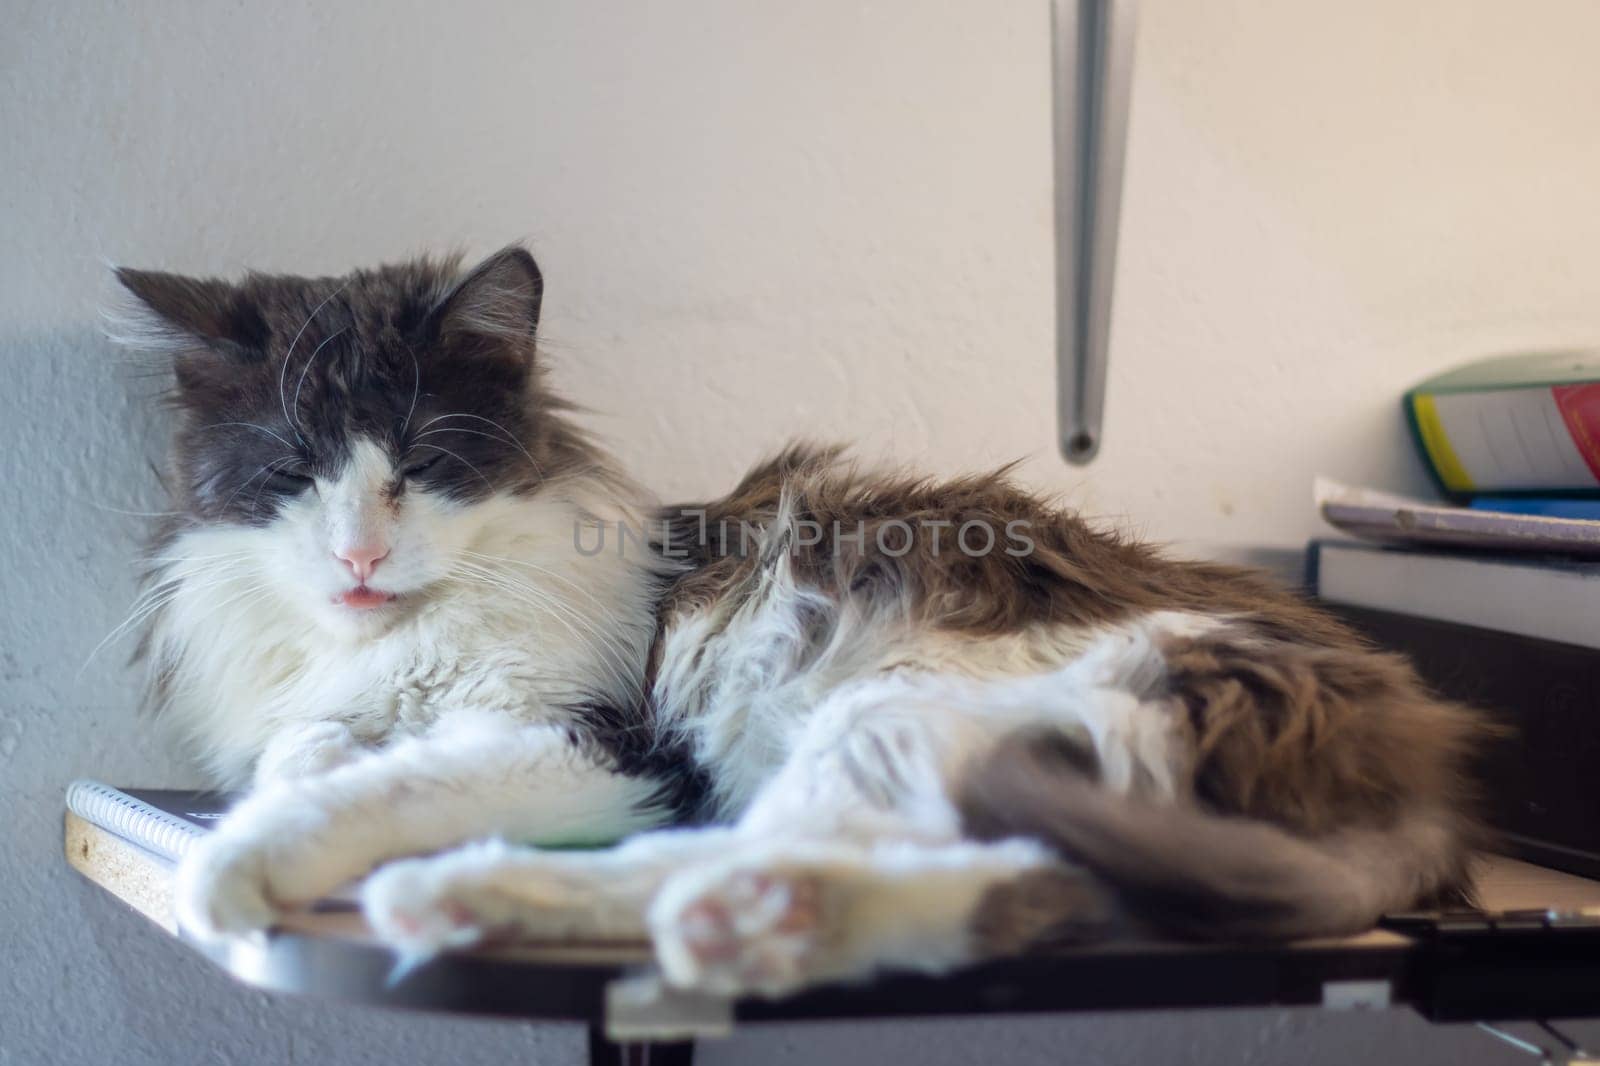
[1543, 598]
[1382, 516]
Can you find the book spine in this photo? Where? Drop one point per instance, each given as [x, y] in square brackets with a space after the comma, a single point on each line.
[132, 820]
[1532, 439]
[1587, 510]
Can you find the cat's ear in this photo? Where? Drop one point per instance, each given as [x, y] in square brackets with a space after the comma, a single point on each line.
[498, 301]
[176, 315]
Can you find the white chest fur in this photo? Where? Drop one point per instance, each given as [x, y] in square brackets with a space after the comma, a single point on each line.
[531, 627]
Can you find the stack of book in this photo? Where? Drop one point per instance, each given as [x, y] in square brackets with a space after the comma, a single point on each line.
[1495, 594]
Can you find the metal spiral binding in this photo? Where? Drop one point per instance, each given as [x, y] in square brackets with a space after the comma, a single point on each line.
[144, 825]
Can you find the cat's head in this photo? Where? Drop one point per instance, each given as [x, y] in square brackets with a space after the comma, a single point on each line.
[346, 439]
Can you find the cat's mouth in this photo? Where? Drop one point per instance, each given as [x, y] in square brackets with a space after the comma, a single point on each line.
[362, 598]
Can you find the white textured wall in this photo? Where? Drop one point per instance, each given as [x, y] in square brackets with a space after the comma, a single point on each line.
[757, 220]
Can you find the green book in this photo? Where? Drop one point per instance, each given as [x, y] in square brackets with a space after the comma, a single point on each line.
[1512, 424]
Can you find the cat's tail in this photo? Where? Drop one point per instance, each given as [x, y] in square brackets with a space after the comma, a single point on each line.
[1181, 870]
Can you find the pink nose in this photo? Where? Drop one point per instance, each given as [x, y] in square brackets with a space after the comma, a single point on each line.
[362, 559]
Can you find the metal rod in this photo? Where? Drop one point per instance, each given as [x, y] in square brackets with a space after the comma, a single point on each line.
[1565, 1040]
[1515, 1041]
[1092, 63]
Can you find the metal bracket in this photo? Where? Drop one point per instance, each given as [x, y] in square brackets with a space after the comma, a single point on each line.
[643, 1007]
[1092, 62]
[1356, 995]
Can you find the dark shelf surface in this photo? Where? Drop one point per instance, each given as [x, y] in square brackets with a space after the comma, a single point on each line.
[1525, 975]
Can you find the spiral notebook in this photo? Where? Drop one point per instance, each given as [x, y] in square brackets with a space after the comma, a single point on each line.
[163, 821]
[167, 822]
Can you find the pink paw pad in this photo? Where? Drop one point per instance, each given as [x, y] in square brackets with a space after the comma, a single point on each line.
[753, 930]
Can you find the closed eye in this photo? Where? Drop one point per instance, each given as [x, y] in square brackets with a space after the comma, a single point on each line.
[420, 468]
[288, 481]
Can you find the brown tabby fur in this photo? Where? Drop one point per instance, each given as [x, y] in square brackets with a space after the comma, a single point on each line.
[1074, 574]
[1292, 719]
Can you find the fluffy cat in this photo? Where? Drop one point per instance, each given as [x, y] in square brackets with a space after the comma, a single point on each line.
[847, 720]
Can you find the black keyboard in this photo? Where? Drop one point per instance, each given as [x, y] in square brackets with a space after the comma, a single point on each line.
[1451, 923]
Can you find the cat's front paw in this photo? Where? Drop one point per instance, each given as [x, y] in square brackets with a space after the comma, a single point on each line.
[762, 929]
[420, 907]
[306, 752]
[223, 889]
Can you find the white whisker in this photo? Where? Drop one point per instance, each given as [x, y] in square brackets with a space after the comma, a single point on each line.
[132, 514]
[172, 559]
[547, 572]
[267, 469]
[621, 667]
[249, 425]
[152, 600]
[283, 374]
[510, 437]
[612, 662]
[260, 586]
[490, 436]
[468, 465]
[329, 339]
[416, 386]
